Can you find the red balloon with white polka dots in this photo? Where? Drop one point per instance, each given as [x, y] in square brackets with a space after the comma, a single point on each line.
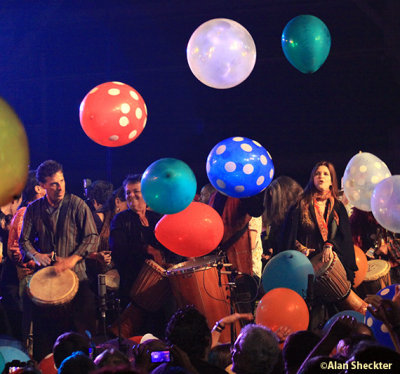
[113, 114]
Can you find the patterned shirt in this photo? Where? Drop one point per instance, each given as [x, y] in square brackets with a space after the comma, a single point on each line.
[78, 236]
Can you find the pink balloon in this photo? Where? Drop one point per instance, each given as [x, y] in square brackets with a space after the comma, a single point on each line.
[195, 231]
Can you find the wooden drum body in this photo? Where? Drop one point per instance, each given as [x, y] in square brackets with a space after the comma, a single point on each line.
[332, 285]
[47, 288]
[151, 287]
[330, 278]
[377, 277]
[196, 282]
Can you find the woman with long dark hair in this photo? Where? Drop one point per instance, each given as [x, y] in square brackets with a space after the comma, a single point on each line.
[319, 221]
[318, 225]
[279, 197]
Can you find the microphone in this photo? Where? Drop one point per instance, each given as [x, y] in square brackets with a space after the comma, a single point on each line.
[102, 291]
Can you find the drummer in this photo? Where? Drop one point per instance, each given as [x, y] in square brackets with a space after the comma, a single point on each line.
[59, 225]
[319, 223]
[132, 240]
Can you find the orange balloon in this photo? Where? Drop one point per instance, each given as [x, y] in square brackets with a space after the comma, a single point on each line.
[47, 365]
[195, 231]
[283, 307]
[362, 264]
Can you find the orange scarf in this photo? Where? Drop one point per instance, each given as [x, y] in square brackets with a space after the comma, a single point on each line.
[321, 221]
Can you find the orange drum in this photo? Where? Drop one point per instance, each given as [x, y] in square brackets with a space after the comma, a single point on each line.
[151, 287]
[196, 282]
[47, 288]
[377, 277]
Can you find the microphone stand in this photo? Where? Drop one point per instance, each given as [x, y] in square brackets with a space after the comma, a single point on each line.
[102, 293]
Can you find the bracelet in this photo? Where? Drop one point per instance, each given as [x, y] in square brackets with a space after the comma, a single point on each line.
[218, 327]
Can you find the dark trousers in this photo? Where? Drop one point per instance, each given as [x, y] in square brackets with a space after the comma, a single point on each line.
[50, 322]
[12, 304]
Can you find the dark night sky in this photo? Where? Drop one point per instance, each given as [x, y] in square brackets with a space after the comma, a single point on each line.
[54, 52]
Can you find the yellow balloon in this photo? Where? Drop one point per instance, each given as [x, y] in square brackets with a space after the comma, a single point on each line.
[14, 154]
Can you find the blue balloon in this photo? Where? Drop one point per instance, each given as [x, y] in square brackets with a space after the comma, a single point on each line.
[380, 330]
[288, 269]
[352, 313]
[306, 43]
[168, 186]
[239, 167]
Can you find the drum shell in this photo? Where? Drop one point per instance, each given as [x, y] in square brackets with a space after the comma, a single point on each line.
[377, 277]
[151, 287]
[200, 286]
[331, 282]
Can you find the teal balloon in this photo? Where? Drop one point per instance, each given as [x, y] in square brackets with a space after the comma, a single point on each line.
[288, 269]
[11, 353]
[2, 363]
[168, 186]
[306, 43]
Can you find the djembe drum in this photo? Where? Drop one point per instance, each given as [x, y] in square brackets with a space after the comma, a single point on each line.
[151, 287]
[332, 285]
[377, 277]
[47, 288]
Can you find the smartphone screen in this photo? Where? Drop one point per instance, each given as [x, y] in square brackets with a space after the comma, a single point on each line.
[13, 369]
[160, 356]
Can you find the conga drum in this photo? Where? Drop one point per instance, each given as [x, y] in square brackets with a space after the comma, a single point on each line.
[47, 288]
[332, 285]
[377, 277]
[151, 287]
[196, 282]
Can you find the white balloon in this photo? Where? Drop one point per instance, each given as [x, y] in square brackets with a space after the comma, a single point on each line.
[221, 53]
[385, 203]
[363, 172]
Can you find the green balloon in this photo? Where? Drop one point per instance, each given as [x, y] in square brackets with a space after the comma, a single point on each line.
[14, 154]
[306, 43]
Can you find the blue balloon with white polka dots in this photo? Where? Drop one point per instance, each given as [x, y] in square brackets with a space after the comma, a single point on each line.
[379, 329]
[239, 167]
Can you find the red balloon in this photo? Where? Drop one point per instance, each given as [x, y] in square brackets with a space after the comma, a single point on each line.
[283, 307]
[362, 264]
[193, 232]
[47, 365]
[113, 114]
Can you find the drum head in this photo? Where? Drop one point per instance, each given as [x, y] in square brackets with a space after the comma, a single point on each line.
[49, 288]
[319, 266]
[112, 279]
[199, 263]
[376, 270]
